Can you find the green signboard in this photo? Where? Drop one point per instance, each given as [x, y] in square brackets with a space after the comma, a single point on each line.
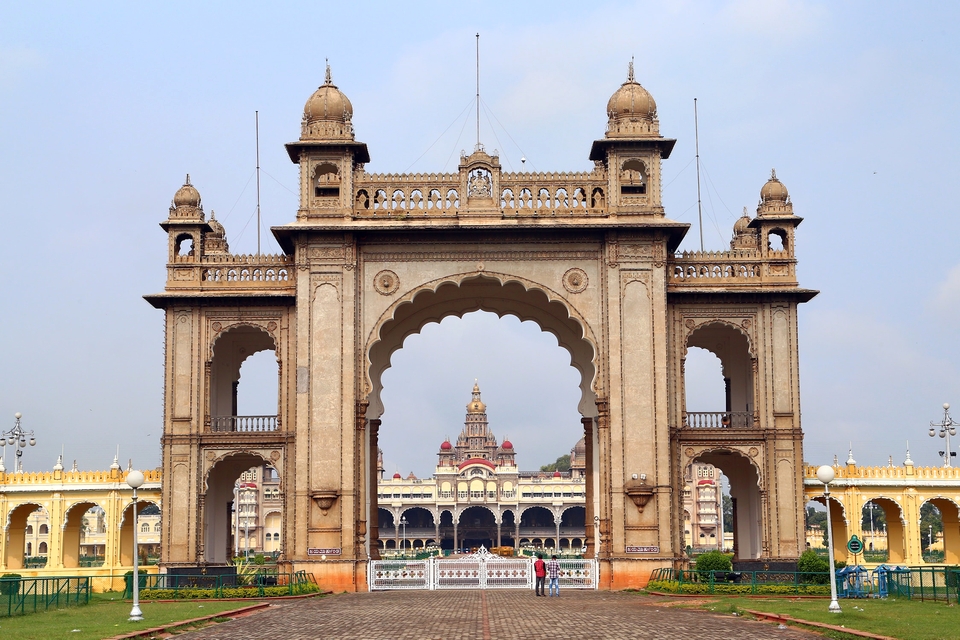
[855, 545]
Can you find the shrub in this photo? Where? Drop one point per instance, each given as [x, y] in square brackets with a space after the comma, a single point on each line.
[812, 563]
[10, 584]
[713, 561]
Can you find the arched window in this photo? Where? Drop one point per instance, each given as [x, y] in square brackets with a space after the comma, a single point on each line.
[156, 528]
[145, 527]
[44, 530]
[29, 529]
[42, 549]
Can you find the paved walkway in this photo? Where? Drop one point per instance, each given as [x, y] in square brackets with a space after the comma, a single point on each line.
[489, 615]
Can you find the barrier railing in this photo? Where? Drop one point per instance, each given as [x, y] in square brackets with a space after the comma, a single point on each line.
[28, 595]
[939, 584]
[481, 570]
[740, 582]
[173, 587]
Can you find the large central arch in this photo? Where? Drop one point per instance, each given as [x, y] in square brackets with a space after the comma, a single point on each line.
[498, 293]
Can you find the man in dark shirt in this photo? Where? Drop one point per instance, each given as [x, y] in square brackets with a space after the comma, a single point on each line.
[540, 571]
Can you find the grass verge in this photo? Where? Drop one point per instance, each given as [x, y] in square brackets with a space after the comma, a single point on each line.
[897, 618]
[106, 616]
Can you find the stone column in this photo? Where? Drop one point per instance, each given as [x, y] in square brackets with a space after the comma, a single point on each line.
[360, 480]
[374, 491]
[498, 533]
[606, 504]
[589, 542]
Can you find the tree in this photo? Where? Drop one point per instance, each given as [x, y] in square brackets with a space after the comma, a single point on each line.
[562, 464]
[727, 513]
[929, 517]
[879, 517]
[817, 519]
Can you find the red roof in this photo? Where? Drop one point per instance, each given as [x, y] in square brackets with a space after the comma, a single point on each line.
[397, 476]
[557, 474]
[705, 482]
[470, 461]
[507, 444]
[446, 446]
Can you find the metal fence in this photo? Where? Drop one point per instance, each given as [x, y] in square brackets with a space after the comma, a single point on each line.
[741, 582]
[173, 587]
[939, 584]
[481, 570]
[28, 595]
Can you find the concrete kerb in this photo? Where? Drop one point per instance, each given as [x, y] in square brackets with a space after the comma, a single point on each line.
[774, 617]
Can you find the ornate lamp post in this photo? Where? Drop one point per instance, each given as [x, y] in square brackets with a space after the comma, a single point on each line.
[947, 428]
[404, 523]
[135, 480]
[19, 437]
[825, 474]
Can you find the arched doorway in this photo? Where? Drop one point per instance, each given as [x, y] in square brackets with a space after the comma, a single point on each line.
[940, 531]
[231, 352]
[83, 528]
[226, 508]
[33, 516]
[744, 479]
[883, 531]
[476, 527]
[148, 516]
[732, 348]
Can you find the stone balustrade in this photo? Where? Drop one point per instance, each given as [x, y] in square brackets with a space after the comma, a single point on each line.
[699, 269]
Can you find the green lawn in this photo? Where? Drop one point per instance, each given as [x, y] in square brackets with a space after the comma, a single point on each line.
[897, 618]
[106, 616]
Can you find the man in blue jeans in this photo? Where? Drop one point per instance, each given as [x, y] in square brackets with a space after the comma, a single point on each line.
[553, 572]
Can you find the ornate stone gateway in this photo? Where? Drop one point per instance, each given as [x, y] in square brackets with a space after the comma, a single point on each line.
[372, 258]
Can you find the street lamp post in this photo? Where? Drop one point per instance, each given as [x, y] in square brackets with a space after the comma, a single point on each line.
[947, 427]
[403, 523]
[825, 474]
[18, 436]
[135, 480]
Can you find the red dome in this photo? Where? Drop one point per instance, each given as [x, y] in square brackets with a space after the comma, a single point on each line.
[397, 476]
[556, 474]
[507, 444]
[446, 446]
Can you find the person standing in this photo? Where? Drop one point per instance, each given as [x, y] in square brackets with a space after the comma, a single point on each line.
[553, 572]
[540, 571]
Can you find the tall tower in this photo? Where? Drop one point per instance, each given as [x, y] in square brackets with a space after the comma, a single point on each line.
[476, 440]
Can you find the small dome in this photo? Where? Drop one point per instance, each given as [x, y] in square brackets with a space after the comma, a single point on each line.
[187, 195]
[328, 103]
[507, 444]
[557, 474]
[215, 226]
[742, 225]
[773, 190]
[397, 476]
[446, 446]
[476, 405]
[631, 101]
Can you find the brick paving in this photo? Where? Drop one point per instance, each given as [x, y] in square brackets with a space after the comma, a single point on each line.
[489, 615]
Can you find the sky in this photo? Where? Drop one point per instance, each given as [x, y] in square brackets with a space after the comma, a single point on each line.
[105, 106]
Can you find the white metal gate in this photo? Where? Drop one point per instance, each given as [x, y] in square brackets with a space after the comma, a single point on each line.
[481, 570]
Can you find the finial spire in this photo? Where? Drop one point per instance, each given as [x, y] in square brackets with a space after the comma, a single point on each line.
[908, 462]
[836, 462]
[188, 179]
[850, 459]
[773, 174]
[630, 71]
[327, 78]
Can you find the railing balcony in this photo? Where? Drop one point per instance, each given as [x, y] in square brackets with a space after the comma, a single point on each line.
[718, 419]
[244, 424]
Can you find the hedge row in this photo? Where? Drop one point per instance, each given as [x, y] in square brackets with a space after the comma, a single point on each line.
[671, 586]
[235, 592]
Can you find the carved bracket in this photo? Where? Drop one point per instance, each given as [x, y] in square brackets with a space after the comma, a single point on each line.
[325, 499]
[639, 492]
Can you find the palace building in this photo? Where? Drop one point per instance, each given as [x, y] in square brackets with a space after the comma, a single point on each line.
[479, 497]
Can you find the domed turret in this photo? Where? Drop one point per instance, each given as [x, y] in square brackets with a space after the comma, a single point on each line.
[215, 241]
[446, 446]
[327, 114]
[773, 190]
[507, 445]
[187, 195]
[476, 405]
[632, 111]
[744, 237]
[397, 476]
[774, 198]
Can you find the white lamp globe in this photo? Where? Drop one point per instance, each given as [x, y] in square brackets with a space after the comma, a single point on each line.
[825, 474]
[135, 478]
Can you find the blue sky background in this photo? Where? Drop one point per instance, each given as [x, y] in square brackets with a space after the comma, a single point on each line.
[105, 106]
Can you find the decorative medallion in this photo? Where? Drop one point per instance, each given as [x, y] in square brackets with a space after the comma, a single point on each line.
[575, 280]
[689, 323]
[271, 326]
[746, 324]
[216, 326]
[210, 456]
[386, 282]
[274, 455]
[753, 452]
[688, 452]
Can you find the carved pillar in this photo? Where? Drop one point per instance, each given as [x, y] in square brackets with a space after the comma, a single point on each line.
[765, 530]
[606, 504]
[360, 478]
[374, 525]
[589, 542]
[456, 544]
[755, 369]
[498, 533]
[201, 508]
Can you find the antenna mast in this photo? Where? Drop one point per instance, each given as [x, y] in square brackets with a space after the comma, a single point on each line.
[478, 91]
[696, 133]
[257, 116]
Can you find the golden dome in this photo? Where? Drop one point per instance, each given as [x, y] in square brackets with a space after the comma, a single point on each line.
[187, 195]
[476, 405]
[631, 101]
[328, 103]
[773, 189]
